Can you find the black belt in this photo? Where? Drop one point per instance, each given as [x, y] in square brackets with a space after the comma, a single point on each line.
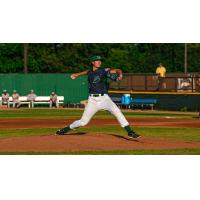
[96, 95]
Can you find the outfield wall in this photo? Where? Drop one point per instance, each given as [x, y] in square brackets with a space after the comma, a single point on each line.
[44, 84]
[168, 100]
[76, 90]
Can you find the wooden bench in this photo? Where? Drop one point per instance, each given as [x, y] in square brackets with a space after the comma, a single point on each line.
[22, 99]
[38, 100]
[46, 100]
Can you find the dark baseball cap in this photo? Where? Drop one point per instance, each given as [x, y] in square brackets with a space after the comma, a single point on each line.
[96, 57]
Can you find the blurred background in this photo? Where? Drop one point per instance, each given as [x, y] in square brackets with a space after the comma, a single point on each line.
[73, 57]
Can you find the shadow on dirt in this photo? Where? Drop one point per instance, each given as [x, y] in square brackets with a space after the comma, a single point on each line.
[78, 133]
[123, 137]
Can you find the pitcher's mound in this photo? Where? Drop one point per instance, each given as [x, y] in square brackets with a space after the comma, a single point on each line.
[86, 142]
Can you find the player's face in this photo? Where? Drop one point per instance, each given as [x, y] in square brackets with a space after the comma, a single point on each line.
[96, 63]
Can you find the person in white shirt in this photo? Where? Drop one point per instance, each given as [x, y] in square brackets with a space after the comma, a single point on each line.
[31, 98]
[15, 97]
[5, 99]
[53, 100]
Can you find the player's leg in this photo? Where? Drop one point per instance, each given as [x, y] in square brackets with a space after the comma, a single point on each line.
[57, 105]
[113, 109]
[90, 109]
[8, 103]
[32, 102]
[29, 104]
[18, 104]
[88, 113]
[50, 104]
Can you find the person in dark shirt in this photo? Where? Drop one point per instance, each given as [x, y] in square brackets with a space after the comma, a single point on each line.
[98, 97]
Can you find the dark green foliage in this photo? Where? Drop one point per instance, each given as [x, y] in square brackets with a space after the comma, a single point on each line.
[68, 58]
[11, 58]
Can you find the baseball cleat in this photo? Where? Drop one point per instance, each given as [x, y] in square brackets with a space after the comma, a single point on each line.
[60, 132]
[133, 135]
[63, 131]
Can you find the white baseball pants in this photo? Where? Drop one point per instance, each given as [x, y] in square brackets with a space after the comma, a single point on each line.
[99, 103]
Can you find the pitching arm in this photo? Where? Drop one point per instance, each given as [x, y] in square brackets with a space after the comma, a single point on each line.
[76, 75]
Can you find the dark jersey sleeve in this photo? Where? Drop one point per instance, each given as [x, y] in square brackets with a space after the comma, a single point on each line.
[106, 71]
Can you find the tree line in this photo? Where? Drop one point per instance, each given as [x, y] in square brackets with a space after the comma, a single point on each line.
[74, 57]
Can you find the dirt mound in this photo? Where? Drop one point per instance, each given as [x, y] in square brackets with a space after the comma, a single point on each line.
[86, 142]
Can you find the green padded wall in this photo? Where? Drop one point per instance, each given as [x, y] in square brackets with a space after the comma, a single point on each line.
[44, 84]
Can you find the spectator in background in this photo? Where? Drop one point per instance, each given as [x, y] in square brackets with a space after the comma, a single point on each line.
[161, 72]
[197, 81]
[5, 99]
[15, 97]
[31, 98]
[53, 100]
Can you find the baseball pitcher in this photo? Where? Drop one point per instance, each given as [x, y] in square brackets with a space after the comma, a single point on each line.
[98, 97]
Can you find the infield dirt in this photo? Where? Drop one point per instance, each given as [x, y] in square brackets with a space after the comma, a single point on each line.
[87, 141]
[60, 122]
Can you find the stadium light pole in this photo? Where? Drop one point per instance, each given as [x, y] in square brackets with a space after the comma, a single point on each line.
[25, 58]
[185, 59]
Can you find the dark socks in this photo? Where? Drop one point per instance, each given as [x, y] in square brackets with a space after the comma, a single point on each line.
[128, 129]
[66, 129]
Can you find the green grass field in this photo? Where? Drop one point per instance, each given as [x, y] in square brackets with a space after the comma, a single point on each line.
[180, 134]
[186, 134]
[59, 113]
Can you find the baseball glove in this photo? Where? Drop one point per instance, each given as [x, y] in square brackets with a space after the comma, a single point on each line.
[113, 77]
